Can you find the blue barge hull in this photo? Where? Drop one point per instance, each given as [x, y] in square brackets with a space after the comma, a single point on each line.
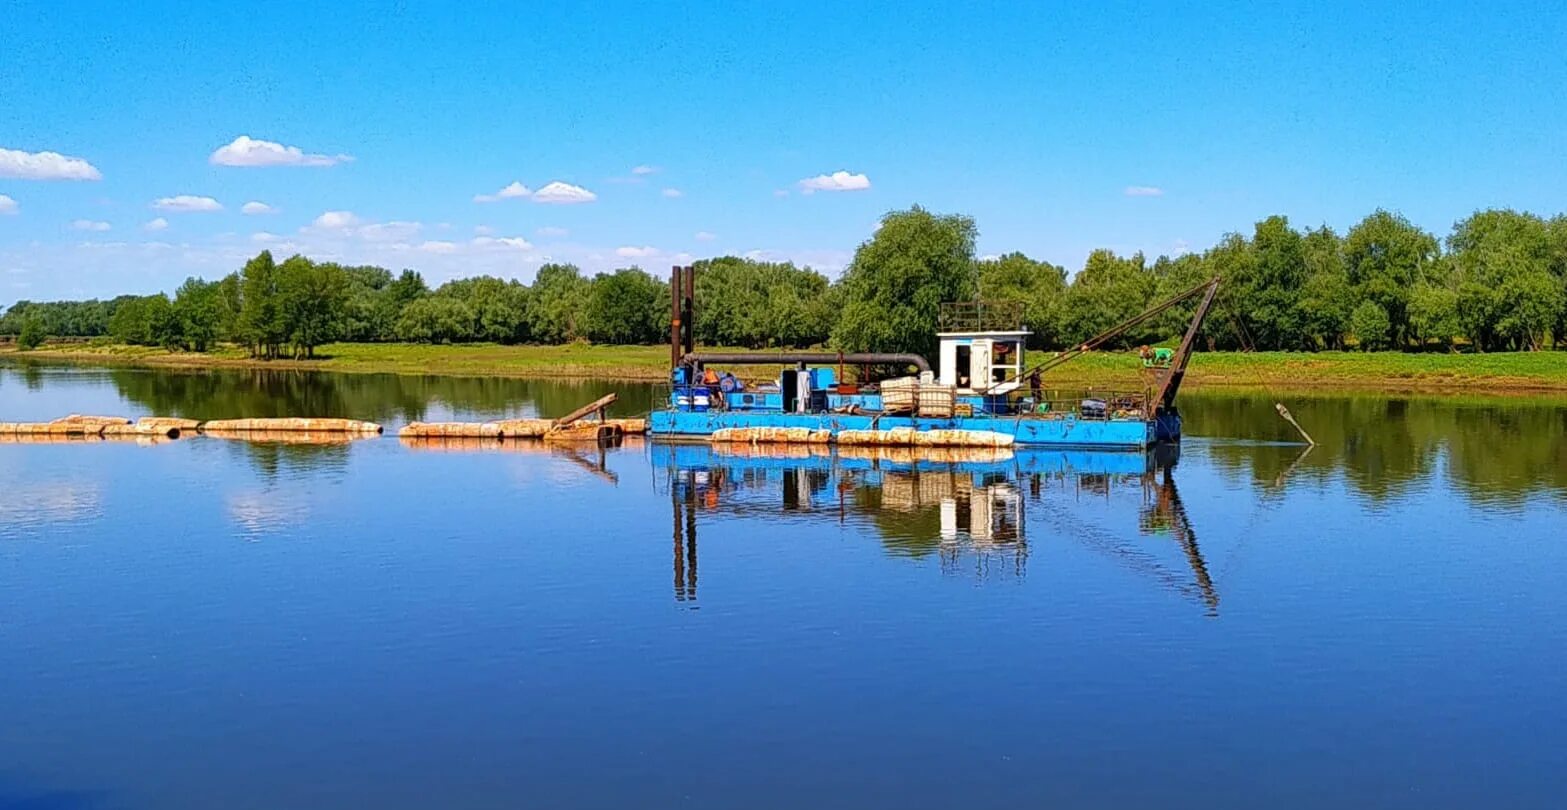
[1114, 434]
[1052, 461]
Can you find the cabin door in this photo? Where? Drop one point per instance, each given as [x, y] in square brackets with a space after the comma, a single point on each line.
[789, 386]
[964, 365]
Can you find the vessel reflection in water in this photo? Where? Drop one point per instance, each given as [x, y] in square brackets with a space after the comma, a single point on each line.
[974, 509]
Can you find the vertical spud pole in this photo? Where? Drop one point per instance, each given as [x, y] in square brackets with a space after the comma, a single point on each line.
[675, 297]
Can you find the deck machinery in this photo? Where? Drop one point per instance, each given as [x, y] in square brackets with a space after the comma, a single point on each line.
[982, 383]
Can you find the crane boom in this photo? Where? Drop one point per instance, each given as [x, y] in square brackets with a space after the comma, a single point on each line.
[1183, 355]
[1170, 381]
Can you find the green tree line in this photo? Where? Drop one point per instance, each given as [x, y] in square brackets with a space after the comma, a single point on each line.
[1497, 282]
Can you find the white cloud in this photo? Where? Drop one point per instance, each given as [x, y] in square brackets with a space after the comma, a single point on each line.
[515, 242]
[254, 208]
[438, 247]
[246, 151]
[45, 166]
[514, 191]
[263, 236]
[830, 262]
[156, 224]
[673, 193]
[563, 194]
[1144, 191]
[187, 202]
[335, 221]
[390, 231]
[644, 170]
[1180, 248]
[705, 236]
[550, 230]
[482, 230]
[782, 192]
[837, 181]
[630, 252]
[90, 225]
[8, 205]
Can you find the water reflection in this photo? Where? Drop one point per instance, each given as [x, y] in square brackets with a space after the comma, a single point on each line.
[974, 511]
[590, 457]
[1503, 450]
[28, 505]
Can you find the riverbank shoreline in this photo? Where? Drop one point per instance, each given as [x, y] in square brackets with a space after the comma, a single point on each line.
[1521, 373]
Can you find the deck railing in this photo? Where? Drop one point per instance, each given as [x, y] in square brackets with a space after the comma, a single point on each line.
[980, 316]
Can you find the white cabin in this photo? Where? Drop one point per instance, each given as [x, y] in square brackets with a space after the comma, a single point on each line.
[982, 362]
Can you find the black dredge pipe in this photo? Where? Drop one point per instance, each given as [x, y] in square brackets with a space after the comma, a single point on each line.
[814, 358]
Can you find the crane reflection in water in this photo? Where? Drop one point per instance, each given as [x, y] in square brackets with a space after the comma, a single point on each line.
[974, 509]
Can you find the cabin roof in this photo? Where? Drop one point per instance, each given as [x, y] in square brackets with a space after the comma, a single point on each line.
[1004, 334]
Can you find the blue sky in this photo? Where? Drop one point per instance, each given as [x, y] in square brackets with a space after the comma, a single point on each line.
[1043, 121]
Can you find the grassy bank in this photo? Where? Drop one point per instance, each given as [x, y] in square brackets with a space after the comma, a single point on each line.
[1502, 372]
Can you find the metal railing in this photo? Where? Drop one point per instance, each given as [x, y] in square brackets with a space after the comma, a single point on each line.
[1059, 405]
[980, 316]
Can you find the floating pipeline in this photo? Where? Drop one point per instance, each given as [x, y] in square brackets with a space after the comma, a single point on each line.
[583, 432]
[79, 426]
[629, 426]
[517, 429]
[524, 428]
[292, 425]
[92, 424]
[183, 425]
[45, 429]
[538, 428]
[315, 430]
[770, 435]
[139, 429]
[451, 430]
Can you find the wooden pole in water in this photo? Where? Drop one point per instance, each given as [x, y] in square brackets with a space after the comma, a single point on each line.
[1285, 412]
[596, 406]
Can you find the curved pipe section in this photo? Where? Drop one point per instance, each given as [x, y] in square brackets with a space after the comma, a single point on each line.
[815, 358]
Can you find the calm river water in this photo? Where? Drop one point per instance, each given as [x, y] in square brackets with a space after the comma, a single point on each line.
[1380, 622]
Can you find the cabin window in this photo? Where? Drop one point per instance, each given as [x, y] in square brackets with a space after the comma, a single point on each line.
[1001, 357]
